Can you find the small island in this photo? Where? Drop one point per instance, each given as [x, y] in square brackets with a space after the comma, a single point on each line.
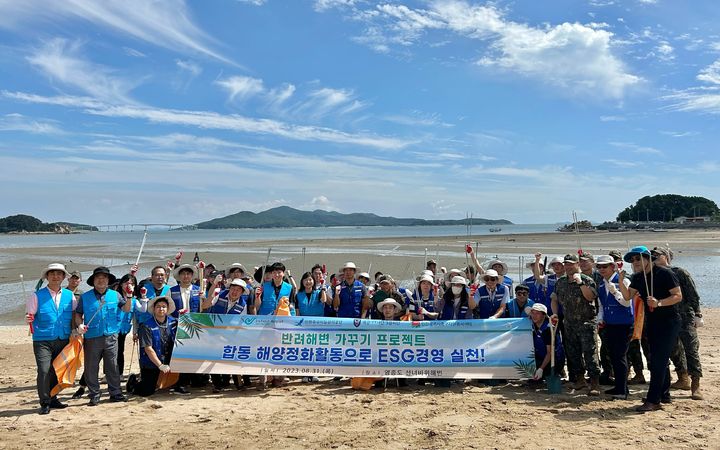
[21, 223]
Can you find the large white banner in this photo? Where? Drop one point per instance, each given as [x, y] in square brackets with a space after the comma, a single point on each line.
[325, 346]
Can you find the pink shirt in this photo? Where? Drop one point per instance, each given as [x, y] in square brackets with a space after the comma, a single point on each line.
[31, 305]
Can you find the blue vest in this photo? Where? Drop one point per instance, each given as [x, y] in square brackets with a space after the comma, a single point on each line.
[269, 300]
[143, 317]
[541, 349]
[126, 317]
[222, 304]
[507, 281]
[448, 311]
[52, 322]
[351, 300]
[428, 304]
[107, 320]
[310, 306]
[544, 293]
[512, 310]
[488, 305]
[613, 312]
[177, 298]
[156, 342]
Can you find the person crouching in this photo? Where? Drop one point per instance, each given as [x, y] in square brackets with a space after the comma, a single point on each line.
[157, 336]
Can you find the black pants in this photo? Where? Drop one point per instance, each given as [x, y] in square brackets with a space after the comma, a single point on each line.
[121, 353]
[148, 381]
[617, 339]
[45, 353]
[606, 363]
[662, 333]
[634, 356]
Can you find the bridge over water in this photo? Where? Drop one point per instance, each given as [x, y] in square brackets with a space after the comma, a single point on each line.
[144, 226]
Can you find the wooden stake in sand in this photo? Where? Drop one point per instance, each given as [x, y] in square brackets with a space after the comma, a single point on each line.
[22, 283]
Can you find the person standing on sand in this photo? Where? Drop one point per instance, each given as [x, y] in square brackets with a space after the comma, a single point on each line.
[272, 291]
[351, 296]
[577, 294]
[49, 312]
[99, 309]
[587, 267]
[686, 354]
[660, 290]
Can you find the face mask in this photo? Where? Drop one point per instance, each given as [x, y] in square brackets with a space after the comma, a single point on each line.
[457, 290]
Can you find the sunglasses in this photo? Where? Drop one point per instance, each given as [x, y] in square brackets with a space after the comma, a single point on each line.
[635, 258]
[521, 293]
[603, 266]
[491, 279]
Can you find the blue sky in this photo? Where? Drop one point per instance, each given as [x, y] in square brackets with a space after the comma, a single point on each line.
[126, 112]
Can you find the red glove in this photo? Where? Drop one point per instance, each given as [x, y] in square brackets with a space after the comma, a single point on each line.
[179, 256]
[201, 265]
[129, 289]
[143, 292]
[468, 248]
[171, 265]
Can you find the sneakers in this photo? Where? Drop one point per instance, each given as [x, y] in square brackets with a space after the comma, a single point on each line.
[118, 398]
[79, 393]
[179, 390]
[57, 404]
[648, 407]
[44, 409]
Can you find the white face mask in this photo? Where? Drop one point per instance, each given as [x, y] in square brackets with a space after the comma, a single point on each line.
[457, 290]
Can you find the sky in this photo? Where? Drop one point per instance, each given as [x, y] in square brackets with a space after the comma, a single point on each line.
[180, 112]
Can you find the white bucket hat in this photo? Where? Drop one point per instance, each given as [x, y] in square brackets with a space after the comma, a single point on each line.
[490, 273]
[539, 307]
[426, 278]
[605, 259]
[176, 272]
[497, 261]
[389, 301]
[54, 266]
[170, 302]
[238, 282]
[458, 280]
[349, 265]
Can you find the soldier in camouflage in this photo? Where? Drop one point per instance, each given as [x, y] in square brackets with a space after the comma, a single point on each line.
[686, 354]
[587, 267]
[577, 293]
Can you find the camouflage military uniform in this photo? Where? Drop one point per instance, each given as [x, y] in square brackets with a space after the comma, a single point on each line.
[686, 354]
[580, 325]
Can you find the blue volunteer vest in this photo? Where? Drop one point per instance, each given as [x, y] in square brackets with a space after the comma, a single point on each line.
[269, 300]
[177, 298]
[222, 305]
[513, 310]
[310, 305]
[156, 342]
[508, 282]
[126, 318]
[448, 311]
[613, 312]
[52, 322]
[351, 300]
[488, 304]
[143, 317]
[427, 303]
[541, 349]
[107, 320]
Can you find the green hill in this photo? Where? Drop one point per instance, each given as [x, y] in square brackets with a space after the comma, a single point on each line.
[21, 223]
[666, 207]
[286, 217]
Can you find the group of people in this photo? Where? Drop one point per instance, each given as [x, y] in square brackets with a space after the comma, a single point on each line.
[593, 304]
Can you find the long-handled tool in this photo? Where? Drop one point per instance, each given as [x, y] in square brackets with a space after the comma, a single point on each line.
[22, 283]
[554, 384]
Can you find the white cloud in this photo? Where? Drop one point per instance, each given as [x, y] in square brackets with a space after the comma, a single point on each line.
[637, 148]
[254, 2]
[19, 122]
[167, 23]
[710, 74]
[281, 94]
[60, 60]
[323, 101]
[319, 202]
[575, 57]
[134, 53]
[241, 87]
[648, 2]
[190, 67]
[418, 118]
[665, 52]
[324, 5]
[612, 119]
[621, 163]
[216, 121]
[704, 100]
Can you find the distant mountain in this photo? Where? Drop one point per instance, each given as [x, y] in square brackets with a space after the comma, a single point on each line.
[286, 217]
[21, 223]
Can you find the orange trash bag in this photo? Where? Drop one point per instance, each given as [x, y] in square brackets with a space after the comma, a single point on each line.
[283, 308]
[166, 380]
[639, 310]
[363, 383]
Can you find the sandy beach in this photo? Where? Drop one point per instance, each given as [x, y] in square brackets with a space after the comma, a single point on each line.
[329, 414]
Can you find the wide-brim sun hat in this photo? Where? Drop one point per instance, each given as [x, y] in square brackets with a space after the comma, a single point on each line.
[605, 259]
[532, 263]
[349, 265]
[170, 303]
[495, 262]
[556, 260]
[238, 282]
[428, 278]
[54, 266]
[389, 301]
[491, 273]
[458, 280]
[176, 272]
[539, 307]
[364, 275]
[235, 266]
[101, 270]
[639, 250]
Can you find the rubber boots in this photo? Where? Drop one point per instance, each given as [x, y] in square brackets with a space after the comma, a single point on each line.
[594, 386]
[683, 382]
[695, 389]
